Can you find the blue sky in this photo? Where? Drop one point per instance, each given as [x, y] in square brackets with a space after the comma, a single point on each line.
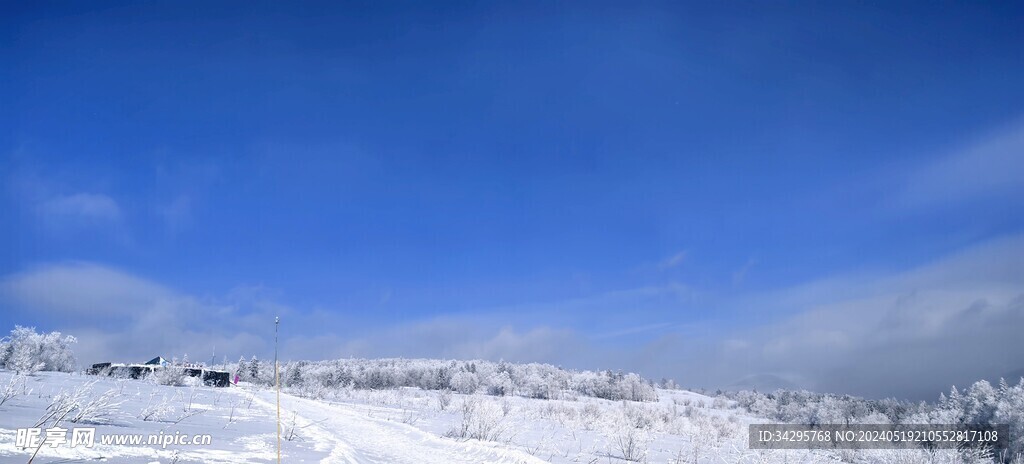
[670, 188]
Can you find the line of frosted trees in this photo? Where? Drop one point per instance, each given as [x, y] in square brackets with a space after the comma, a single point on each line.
[981, 403]
[542, 381]
[26, 352]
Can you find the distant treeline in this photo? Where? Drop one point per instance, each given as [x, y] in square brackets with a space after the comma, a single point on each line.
[980, 404]
[542, 381]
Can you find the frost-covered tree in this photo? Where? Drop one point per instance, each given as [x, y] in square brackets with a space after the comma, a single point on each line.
[500, 384]
[26, 351]
[254, 368]
[242, 369]
[293, 374]
[57, 353]
[633, 388]
[24, 360]
[980, 403]
[1010, 411]
[536, 385]
[465, 382]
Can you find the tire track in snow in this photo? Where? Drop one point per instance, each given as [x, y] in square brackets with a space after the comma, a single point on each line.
[357, 438]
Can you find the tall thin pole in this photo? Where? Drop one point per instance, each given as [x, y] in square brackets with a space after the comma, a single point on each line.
[277, 384]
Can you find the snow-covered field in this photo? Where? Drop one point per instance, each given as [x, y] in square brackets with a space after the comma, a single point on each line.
[240, 425]
[389, 426]
[400, 425]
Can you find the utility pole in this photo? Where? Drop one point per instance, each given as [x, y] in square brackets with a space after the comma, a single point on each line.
[277, 384]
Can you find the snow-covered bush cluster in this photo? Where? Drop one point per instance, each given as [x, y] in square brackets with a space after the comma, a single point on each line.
[480, 420]
[806, 407]
[26, 351]
[981, 404]
[534, 380]
[170, 376]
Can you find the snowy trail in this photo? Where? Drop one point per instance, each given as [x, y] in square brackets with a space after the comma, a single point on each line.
[357, 438]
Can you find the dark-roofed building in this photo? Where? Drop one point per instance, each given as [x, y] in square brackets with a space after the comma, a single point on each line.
[137, 371]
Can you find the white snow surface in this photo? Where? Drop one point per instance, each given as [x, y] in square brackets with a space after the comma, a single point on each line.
[405, 425]
[344, 426]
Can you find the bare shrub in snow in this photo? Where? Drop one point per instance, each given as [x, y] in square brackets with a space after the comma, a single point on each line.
[410, 416]
[589, 416]
[188, 413]
[98, 409]
[290, 434]
[81, 405]
[444, 398]
[311, 390]
[630, 433]
[157, 411]
[61, 405]
[481, 420]
[13, 388]
[190, 399]
[632, 443]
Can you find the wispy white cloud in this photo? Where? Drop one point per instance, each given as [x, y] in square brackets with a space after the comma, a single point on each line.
[82, 290]
[646, 328]
[673, 261]
[93, 207]
[120, 316]
[912, 332]
[62, 202]
[740, 275]
[474, 337]
[988, 167]
[180, 185]
[177, 214]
